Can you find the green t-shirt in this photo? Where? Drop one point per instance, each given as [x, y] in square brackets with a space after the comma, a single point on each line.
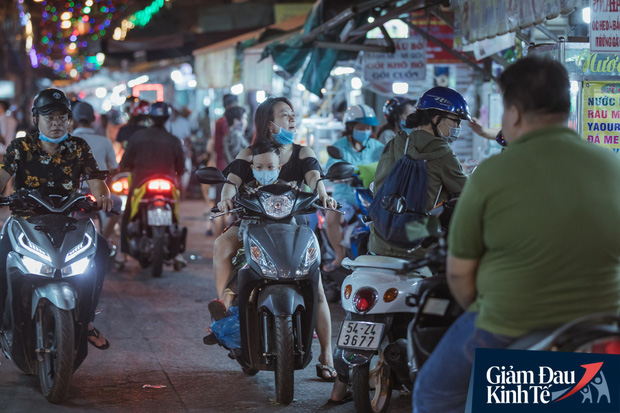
[543, 219]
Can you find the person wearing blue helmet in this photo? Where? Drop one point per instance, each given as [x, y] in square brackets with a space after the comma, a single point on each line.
[358, 149]
[427, 135]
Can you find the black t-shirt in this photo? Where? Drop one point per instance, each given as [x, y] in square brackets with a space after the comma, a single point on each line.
[153, 151]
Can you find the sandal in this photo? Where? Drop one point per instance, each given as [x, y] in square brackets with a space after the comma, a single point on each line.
[330, 267]
[217, 310]
[321, 369]
[210, 339]
[348, 397]
[95, 333]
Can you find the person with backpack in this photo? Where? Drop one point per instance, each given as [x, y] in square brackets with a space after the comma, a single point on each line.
[419, 165]
[357, 149]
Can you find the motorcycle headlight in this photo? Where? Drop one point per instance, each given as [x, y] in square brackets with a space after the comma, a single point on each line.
[37, 267]
[310, 257]
[278, 206]
[263, 260]
[77, 268]
[78, 249]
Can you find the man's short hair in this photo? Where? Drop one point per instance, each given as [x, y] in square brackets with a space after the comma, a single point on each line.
[232, 113]
[5, 105]
[266, 146]
[230, 100]
[536, 85]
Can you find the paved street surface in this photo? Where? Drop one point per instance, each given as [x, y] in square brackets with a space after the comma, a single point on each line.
[155, 327]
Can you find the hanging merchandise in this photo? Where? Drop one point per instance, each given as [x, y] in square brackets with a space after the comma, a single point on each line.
[601, 114]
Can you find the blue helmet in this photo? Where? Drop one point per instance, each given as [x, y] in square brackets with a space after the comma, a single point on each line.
[361, 114]
[160, 110]
[446, 100]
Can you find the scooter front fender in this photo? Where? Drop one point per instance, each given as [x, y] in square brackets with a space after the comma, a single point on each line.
[62, 295]
[280, 299]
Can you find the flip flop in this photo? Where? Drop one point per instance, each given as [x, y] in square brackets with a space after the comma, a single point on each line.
[217, 310]
[330, 267]
[320, 372]
[348, 397]
[95, 333]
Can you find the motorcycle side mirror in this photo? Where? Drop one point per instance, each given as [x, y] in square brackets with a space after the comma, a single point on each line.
[394, 203]
[211, 176]
[334, 152]
[339, 170]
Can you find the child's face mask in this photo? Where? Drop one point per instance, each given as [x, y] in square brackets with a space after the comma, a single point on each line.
[265, 177]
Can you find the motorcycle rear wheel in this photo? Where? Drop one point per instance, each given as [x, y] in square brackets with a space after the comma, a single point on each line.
[158, 251]
[56, 370]
[373, 398]
[285, 359]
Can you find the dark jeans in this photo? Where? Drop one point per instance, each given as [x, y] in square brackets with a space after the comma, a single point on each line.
[101, 270]
[443, 381]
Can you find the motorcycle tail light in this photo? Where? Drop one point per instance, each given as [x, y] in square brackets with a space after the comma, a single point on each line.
[159, 203]
[390, 295]
[608, 345]
[347, 291]
[159, 185]
[365, 298]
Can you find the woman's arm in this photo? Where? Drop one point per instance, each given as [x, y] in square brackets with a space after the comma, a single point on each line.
[312, 179]
[229, 191]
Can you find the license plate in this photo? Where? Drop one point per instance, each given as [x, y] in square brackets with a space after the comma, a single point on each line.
[159, 217]
[361, 335]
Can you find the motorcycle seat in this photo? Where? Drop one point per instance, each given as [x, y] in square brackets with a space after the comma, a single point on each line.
[376, 261]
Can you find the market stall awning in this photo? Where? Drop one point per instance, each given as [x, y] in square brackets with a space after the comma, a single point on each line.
[215, 65]
[475, 22]
[335, 30]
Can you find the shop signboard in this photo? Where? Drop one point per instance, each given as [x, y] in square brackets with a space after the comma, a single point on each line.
[585, 64]
[601, 113]
[407, 64]
[481, 19]
[439, 30]
[605, 25]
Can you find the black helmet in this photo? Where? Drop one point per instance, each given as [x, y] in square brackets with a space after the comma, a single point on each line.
[160, 110]
[393, 107]
[49, 100]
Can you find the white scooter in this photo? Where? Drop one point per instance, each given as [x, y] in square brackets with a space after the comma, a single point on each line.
[381, 298]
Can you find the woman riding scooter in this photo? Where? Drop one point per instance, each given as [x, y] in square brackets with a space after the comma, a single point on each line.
[274, 121]
[357, 149]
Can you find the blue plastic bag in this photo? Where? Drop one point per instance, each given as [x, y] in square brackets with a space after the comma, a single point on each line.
[227, 330]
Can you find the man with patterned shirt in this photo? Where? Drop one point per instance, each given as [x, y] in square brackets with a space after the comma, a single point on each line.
[52, 162]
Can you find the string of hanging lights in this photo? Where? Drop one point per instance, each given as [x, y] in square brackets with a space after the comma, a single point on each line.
[68, 28]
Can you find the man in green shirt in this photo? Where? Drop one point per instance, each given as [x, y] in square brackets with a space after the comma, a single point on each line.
[533, 242]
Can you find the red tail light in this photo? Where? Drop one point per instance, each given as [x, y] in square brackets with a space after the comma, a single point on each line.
[610, 345]
[364, 299]
[159, 185]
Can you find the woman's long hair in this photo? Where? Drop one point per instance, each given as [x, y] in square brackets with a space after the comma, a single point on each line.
[263, 118]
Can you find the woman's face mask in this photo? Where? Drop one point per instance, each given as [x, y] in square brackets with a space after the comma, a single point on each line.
[361, 135]
[284, 136]
[404, 128]
[453, 132]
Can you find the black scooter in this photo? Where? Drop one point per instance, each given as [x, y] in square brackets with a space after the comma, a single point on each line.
[277, 285]
[51, 285]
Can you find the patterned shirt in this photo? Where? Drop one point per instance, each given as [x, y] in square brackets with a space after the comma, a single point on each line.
[59, 173]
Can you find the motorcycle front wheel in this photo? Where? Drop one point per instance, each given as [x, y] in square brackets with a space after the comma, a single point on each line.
[158, 251]
[372, 386]
[55, 370]
[285, 359]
